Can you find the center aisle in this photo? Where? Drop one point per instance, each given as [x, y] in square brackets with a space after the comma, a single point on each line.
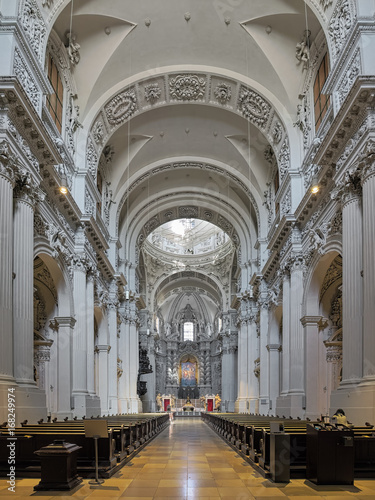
[189, 460]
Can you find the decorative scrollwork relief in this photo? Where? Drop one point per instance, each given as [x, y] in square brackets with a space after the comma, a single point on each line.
[339, 26]
[284, 159]
[188, 212]
[223, 92]
[187, 87]
[34, 26]
[121, 107]
[152, 92]
[253, 107]
[24, 75]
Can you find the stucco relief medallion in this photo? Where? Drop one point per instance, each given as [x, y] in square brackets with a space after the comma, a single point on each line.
[121, 107]
[152, 92]
[187, 87]
[223, 92]
[254, 107]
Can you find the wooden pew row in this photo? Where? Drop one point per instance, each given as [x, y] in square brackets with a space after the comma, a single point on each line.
[125, 436]
[247, 434]
[250, 434]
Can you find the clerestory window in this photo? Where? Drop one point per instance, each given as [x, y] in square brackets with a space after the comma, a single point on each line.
[55, 100]
[321, 101]
[188, 331]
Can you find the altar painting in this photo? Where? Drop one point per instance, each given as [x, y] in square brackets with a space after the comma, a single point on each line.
[188, 374]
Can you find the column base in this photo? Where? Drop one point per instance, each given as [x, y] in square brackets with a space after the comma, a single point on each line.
[230, 407]
[254, 405]
[149, 406]
[122, 405]
[31, 404]
[358, 402]
[135, 405]
[291, 405]
[241, 405]
[113, 406]
[85, 405]
[264, 406]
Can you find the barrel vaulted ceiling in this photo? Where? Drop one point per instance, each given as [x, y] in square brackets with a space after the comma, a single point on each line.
[172, 147]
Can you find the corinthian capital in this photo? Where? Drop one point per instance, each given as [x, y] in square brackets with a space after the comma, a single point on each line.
[367, 161]
[26, 190]
[8, 162]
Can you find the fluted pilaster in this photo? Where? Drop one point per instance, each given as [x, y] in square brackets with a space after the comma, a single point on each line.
[90, 334]
[243, 364]
[65, 328]
[285, 340]
[112, 360]
[369, 272]
[6, 265]
[264, 360]
[352, 294]
[80, 330]
[253, 354]
[296, 346]
[123, 383]
[23, 287]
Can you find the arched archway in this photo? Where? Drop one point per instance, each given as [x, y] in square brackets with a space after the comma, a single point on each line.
[321, 323]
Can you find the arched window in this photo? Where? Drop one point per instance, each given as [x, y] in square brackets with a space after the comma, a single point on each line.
[55, 100]
[321, 101]
[188, 331]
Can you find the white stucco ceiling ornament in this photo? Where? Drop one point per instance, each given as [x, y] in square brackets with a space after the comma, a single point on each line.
[223, 92]
[152, 92]
[326, 3]
[121, 107]
[254, 107]
[187, 87]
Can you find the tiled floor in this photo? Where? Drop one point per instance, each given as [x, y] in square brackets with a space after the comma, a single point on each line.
[186, 461]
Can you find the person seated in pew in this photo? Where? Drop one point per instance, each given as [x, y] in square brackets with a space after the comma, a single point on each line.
[339, 417]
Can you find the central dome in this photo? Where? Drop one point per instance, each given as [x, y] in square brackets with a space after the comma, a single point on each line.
[188, 237]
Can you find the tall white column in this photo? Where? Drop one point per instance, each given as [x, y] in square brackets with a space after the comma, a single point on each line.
[369, 271]
[135, 402]
[229, 371]
[65, 328]
[112, 357]
[23, 290]
[352, 294]
[313, 364]
[31, 402]
[297, 351]
[273, 348]
[79, 391]
[243, 364]
[123, 383]
[127, 358]
[359, 397]
[264, 361]
[286, 332]
[102, 354]
[6, 266]
[90, 334]
[253, 381]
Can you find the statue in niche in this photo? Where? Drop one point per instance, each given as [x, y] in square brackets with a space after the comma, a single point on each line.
[168, 329]
[209, 329]
[217, 402]
[303, 49]
[159, 402]
[73, 49]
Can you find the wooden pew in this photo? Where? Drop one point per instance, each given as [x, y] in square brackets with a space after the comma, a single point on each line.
[126, 434]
